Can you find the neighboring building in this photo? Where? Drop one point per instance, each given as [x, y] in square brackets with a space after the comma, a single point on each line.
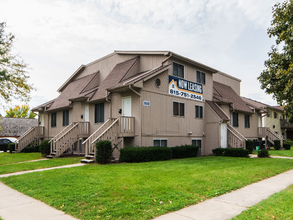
[146, 98]
[15, 127]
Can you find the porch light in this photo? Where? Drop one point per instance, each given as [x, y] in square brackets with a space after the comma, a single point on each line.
[190, 133]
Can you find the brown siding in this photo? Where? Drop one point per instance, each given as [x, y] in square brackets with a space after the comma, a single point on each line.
[228, 80]
[249, 133]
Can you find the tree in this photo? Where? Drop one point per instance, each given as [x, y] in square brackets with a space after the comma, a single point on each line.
[13, 71]
[277, 77]
[20, 112]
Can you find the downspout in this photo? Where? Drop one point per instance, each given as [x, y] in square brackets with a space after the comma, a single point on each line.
[110, 109]
[170, 54]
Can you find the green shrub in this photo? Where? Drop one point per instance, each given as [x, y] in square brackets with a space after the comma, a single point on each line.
[289, 141]
[218, 151]
[286, 146]
[145, 154]
[236, 152]
[249, 145]
[45, 147]
[277, 144]
[263, 153]
[30, 149]
[104, 151]
[11, 147]
[184, 151]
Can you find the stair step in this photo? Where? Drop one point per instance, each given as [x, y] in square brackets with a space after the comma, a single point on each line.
[87, 161]
[89, 156]
[50, 156]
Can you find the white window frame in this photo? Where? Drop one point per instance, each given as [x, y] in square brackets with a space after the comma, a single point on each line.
[183, 70]
[159, 139]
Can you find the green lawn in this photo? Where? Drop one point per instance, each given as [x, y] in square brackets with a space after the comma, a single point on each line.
[15, 167]
[8, 158]
[135, 191]
[283, 153]
[277, 206]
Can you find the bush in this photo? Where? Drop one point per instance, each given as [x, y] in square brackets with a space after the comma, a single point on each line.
[104, 151]
[277, 144]
[289, 141]
[11, 147]
[30, 149]
[45, 147]
[263, 153]
[236, 152]
[249, 145]
[184, 151]
[145, 154]
[218, 151]
[286, 146]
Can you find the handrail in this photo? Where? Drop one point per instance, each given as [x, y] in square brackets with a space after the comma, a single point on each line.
[96, 131]
[237, 132]
[67, 132]
[26, 133]
[56, 136]
[105, 131]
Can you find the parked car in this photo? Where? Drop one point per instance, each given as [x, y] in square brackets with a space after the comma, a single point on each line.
[4, 143]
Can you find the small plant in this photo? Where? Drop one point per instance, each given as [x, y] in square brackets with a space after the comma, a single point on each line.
[30, 149]
[218, 151]
[286, 146]
[277, 144]
[11, 147]
[263, 153]
[45, 148]
[104, 151]
[249, 145]
[236, 152]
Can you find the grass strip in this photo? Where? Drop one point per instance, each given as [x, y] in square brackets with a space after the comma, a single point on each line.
[8, 158]
[282, 153]
[12, 168]
[143, 190]
[277, 206]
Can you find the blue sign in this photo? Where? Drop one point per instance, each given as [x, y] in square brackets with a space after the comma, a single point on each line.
[185, 89]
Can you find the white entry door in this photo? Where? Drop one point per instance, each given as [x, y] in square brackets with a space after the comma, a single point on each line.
[86, 113]
[126, 106]
[223, 135]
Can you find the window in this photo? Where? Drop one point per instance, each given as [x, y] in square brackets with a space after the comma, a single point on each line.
[196, 142]
[99, 113]
[160, 142]
[53, 119]
[198, 111]
[275, 115]
[65, 117]
[246, 121]
[178, 70]
[178, 109]
[235, 119]
[200, 77]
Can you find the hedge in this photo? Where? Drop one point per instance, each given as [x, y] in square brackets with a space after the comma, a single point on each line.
[184, 151]
[249, 145]
[277, 144]
[30, 149]
[11, 147]
[45, 148]
[231, 152]
[263, 153]
[218, 151]
[104, 151]
[145, 154]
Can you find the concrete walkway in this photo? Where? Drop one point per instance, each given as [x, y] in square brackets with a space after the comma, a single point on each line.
[17, 206]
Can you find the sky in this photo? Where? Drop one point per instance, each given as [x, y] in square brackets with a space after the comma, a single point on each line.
[55, 37]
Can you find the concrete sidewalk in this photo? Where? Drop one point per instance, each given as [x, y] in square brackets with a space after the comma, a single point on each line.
[17, 206]
[231, 204]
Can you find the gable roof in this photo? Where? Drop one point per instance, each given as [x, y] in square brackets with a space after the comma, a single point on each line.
[224, 93]
[261, 106]
[113, 79]
[218, 110]
[74, 90]
[43, 106]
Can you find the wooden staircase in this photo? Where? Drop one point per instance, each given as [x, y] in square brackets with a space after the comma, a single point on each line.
[235, 139]
[114, 129]
[29, 137]
[270, 135]
[64, 141]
